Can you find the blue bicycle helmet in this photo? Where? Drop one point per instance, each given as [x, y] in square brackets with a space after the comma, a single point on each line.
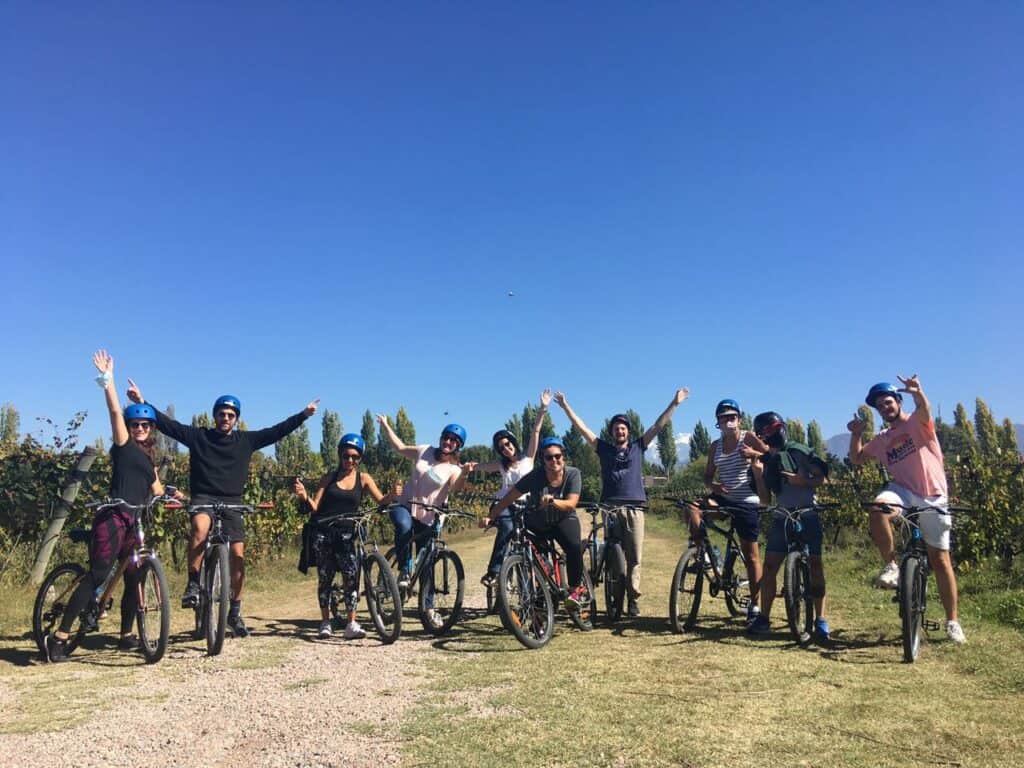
[882, 388]
[727, 406]
[140, 412]
[352, 440]
[547, 442]
[228, 401]
[457, 430]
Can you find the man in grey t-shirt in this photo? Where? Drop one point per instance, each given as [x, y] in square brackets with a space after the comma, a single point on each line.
[622, 482]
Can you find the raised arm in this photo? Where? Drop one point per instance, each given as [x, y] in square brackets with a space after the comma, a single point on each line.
[261, 438]
[183, 433]
[584, 430]
[408, 451]
[314, 502]
[545, 399]
[105, 365]
[922, 408]
[652, 433]
[856, 454]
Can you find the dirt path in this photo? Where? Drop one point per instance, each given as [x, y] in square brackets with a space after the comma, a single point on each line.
[277, 698]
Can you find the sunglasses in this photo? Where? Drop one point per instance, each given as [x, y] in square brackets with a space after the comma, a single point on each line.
[552, 457]
[351, 457]
[140, 425]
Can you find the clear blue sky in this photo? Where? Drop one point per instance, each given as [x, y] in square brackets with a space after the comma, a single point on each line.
[777, 204]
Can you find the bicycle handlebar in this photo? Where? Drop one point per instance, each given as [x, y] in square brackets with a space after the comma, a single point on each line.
[912, 511]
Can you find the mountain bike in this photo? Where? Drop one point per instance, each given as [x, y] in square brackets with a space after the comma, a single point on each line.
[211, 609]
[796, 581]
[383, 600]
[532, 576]
[153, 613]
[437, 574]
[491, 587]
[605, 560]
[700, 563]
[912, 589]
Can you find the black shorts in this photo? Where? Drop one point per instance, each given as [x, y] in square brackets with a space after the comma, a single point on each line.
[233, 525]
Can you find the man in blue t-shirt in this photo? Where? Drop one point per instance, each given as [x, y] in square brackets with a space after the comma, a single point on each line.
[622, 481]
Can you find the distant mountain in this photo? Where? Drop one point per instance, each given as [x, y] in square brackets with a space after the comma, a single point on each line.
[840, 444]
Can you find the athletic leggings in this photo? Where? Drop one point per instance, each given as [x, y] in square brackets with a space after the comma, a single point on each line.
[567, 533]
[111, 539]
[335, 555]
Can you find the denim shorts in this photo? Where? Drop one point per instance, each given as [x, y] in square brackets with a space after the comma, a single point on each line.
[812, 533]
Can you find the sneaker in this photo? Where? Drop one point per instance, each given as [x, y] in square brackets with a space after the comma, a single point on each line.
[238, 627]
[325, 630]
[760, 625]
[633, 608]
[955, 632]
[888, 577]
[128, 643]
[821, 629]
[191, 597]
[575, 599]
[403, 578]
[56, 649]
[434, 618]
[753, 612]
[353, 631]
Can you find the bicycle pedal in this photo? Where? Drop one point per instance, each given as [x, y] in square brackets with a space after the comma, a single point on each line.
[931, 626]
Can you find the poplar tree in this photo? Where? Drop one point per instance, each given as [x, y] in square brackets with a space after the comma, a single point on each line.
[369, 435]
[814, 439]
[10, 423]
[404, 427]
[330, 437]
[667, 450]
[795, 430]
[988, 432]
[963, 432]
[1008, 437]
[700, 441]
[867, 415]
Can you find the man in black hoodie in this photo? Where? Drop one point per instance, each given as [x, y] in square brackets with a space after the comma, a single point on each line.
[218, 468]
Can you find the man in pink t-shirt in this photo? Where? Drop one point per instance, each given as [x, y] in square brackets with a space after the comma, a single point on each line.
[909, 449]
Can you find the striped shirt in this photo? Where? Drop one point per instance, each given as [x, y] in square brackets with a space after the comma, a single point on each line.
[733, 473]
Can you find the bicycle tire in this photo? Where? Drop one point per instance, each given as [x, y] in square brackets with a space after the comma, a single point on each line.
[383, 600]
[216, 597]
[179, 552]
[51, 601]
[912, 595]
[614, 581]
[687, 586]
[154, 611]
[584, 617]
[442, 587]
[524, 600]
[731, 583]
[392, 559]
[797, 596]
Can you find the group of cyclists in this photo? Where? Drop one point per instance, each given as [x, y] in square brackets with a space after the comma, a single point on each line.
[746, 470]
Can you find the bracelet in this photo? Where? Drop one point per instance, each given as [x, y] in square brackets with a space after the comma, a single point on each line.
[104, 379]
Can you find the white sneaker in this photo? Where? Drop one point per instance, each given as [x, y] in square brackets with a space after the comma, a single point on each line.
[955, 632]
[325, 630]
[889, 577]
[434, 618]
[353, 631]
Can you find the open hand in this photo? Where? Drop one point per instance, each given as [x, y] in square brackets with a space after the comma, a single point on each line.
[545, 398]
[681, 395]
[103, 361]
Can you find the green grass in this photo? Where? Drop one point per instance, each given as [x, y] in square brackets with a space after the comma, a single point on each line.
[641, 695]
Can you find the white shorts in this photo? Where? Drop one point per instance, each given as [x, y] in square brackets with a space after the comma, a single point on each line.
[934, 526]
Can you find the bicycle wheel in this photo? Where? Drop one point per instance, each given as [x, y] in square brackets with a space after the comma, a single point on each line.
[51, 600]
[912, 594]
[687, 584]
[614, 581]
[179, 551]
[154, 611]
[442, 587]
[584, 617]
[734, 580]
[382, 597]
[525, 602]
[797, 596]
[216, 597]
[392, 559]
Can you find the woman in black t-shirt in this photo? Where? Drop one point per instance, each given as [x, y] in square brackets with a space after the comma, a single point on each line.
[338, 495]
[134, 479]
[554, 492]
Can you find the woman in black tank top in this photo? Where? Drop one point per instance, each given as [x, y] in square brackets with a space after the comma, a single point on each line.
[133, 480]
[338, 495]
